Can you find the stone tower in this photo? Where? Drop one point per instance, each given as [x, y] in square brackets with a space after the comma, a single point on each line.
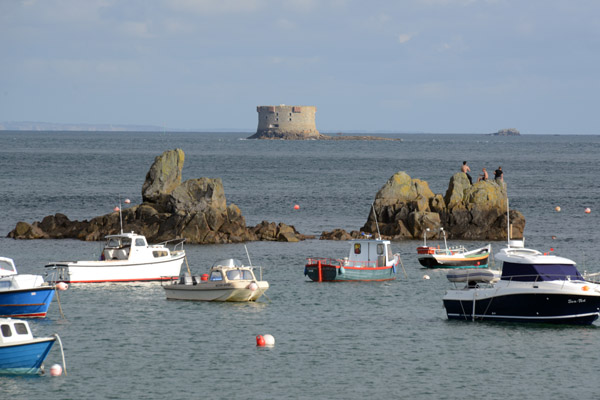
[286, 122]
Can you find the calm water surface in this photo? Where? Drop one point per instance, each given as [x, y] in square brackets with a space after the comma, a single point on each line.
[354, 340]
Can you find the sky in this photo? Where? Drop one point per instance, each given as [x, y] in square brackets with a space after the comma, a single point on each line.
[439, 66]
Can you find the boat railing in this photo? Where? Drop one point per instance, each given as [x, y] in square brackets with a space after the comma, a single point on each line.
[534, 279]
[174, 244]
[341, 262]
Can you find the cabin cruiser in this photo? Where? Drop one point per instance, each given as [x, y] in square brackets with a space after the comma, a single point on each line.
[533, 287]
[368, 260]
[227, 280]
[126, 257]
[23, 295]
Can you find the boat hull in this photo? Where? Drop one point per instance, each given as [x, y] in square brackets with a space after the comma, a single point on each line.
[208, 291]
[554, 308]
[338, 273]
[119, 271]
[435, 261]
[26, 303]
[24, 358]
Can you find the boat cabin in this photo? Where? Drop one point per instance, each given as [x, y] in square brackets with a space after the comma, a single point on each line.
[14, 331]
[369, 253]
[227, 270]
[528, 265]
[11, 280]
[128, 246]
[230, 270]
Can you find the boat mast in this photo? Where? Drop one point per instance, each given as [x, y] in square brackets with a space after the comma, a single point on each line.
[376, 223]
[507, 223]
[444, 233]
[120, 215]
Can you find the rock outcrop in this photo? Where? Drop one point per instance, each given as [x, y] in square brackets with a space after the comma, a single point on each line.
[507, 132]
[196, 210]
[406, 208]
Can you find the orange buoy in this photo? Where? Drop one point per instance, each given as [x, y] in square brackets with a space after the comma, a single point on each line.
[116, 208]
[587, 210]
[260, 341]
[585, 288]
[296, 207]
[204, 277]
[62, 286]
[557, 208]
[127, 201]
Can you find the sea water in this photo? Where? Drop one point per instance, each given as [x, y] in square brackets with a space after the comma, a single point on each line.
[333, 340]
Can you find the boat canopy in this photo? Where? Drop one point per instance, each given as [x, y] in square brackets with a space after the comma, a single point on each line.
[229, 262]
[539, 272]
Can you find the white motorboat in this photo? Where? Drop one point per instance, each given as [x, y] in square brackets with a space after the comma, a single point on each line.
[227, 280]
[126, 257]
[533, 287]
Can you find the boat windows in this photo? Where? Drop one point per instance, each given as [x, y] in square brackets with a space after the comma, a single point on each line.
[356, 248]
[239, 274]
[539, 272]
[216, 276]
[6, 331]
[7, 266]
[140, 242]
[113, 243]
[21, 328]
[159, 253]
[380, 249]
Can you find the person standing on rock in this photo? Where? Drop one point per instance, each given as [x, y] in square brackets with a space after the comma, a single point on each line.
[499, 174]
[465, 168]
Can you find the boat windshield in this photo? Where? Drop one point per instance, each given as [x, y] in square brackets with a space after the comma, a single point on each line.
[239, 274]
[7, 266]
[230, 262]
[539, 272]
[118, 243]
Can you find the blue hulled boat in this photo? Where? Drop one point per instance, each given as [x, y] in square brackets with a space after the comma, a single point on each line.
[23, 295]
[368, 260]
[20, 352]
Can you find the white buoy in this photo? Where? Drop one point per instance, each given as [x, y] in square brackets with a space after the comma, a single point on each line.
[62, 286]
[56, 370]
[426, 277]
[269, 340]
[588, 210]
[253, 286]
[557, 208]
[127, 201]
[116, 208]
